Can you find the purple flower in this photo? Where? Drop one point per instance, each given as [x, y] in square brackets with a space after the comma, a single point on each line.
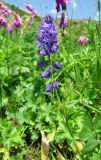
[47, 36]
[41, 63]
[57, 65]
[48, 88]
[46, 74]
[55, 84]
[31, 9]
[62, 3]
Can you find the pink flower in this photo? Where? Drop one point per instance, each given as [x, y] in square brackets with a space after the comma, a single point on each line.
[4, 10]
[3, 21]
[17, 21]
[82, 40]
[9, 28]
[31, 9]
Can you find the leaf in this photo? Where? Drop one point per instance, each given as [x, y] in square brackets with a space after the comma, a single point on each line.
[59, 156]
[87, 129]
[97, 156]
[91, 145]
[5, 153]
[51, 136]
[97, 122]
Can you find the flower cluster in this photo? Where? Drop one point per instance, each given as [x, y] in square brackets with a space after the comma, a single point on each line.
[16, 20]
[4, 10]
[48, 44]
[33, 13]
[82, 40]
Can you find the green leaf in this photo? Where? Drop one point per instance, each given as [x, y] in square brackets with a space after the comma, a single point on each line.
[97, 122]
[97, 156]
[90, 145]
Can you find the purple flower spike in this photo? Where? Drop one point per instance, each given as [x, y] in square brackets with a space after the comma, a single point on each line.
[47, 36]
[55, 84]
[41, 63]
[48, 88]
[57, 65]
[45, 74]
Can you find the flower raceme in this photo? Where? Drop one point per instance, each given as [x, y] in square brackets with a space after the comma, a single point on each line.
[33, 13]
[47, 37]
[31, 9]
[4, 10]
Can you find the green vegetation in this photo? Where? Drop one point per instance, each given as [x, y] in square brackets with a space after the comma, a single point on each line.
[71, 115]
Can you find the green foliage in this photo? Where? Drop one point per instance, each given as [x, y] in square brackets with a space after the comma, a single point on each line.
[70, 116]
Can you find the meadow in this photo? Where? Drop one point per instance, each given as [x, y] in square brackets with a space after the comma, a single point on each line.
[70, 115]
